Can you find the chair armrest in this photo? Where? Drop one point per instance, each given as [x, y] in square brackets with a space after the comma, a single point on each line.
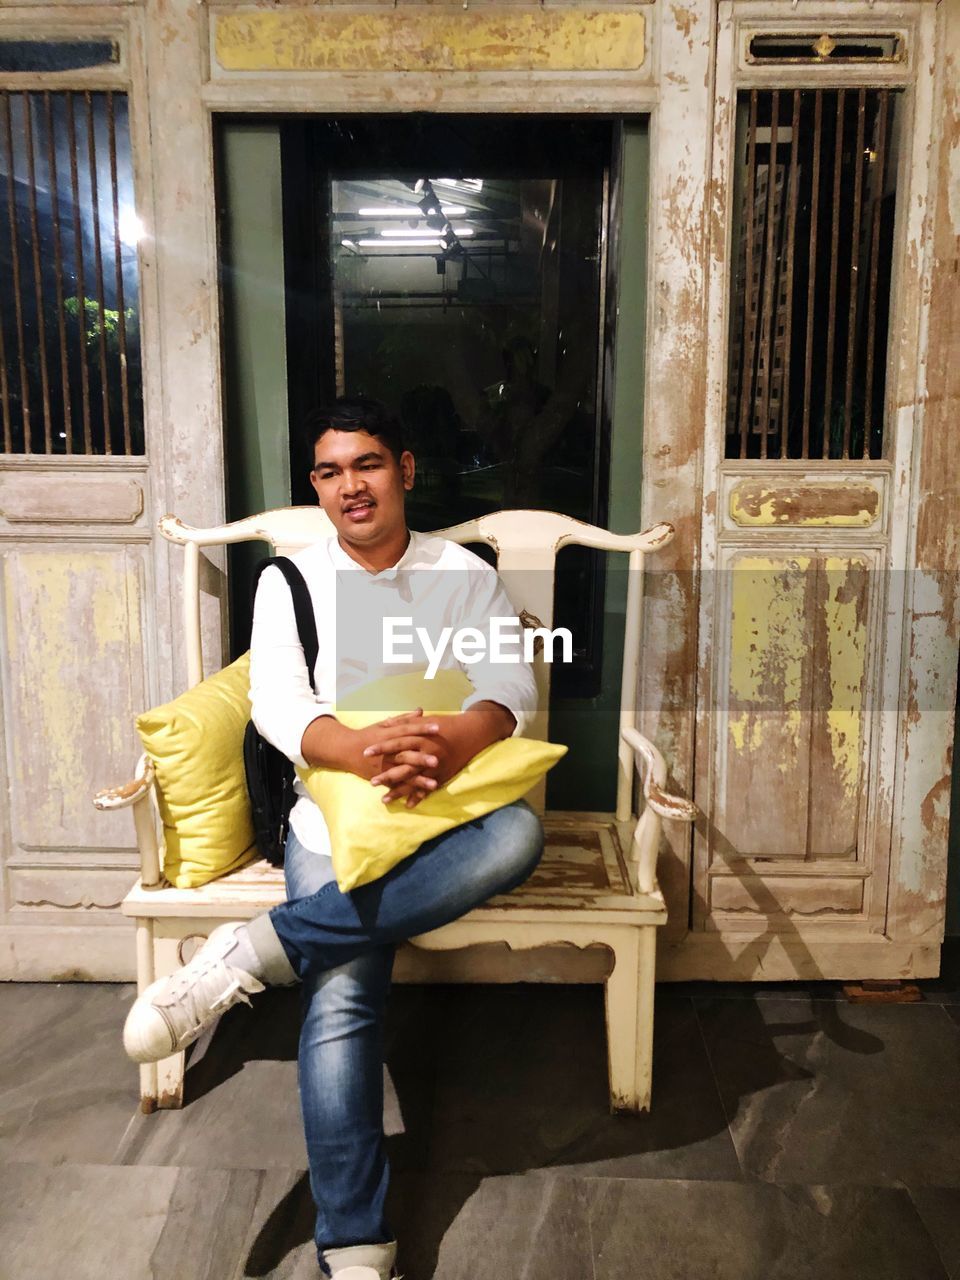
[129, 792]
[654, 778]
[138, 795]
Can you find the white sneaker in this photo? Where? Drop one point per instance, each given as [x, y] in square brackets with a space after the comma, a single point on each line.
[363, 1261]
[174, 1011]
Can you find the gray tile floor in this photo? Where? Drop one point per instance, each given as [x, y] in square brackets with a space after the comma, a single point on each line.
[792, 1135]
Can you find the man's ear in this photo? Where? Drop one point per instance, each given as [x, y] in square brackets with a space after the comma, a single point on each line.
[408, 469]
[313, 481]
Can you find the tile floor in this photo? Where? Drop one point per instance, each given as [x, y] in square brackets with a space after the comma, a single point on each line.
[792, 1135]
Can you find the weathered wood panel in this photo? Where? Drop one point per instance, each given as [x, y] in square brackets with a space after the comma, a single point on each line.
[181, 309]
[856, 523]
[787, 895]
[430, 38]
[675, 409]
[73, 682]
[929, 405]
[45, 890]
[780, 948]
[791, 767]
[86, 500]
[839, 714]
[757, 502]
[766, 768]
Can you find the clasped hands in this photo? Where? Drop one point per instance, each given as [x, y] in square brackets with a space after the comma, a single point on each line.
[412, 754]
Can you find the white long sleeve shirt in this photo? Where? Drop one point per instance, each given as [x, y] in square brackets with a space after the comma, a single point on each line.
[435, 584]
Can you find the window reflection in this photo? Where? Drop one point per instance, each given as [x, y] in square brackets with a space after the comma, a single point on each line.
[455, 267]
[472, 306]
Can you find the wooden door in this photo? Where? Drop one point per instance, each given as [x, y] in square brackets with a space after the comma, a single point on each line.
[806, 582]
[76, 644]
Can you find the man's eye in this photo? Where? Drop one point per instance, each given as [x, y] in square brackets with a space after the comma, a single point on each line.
[369, 466]
[326, 475]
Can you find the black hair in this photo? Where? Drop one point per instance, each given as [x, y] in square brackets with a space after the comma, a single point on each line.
[353, 413]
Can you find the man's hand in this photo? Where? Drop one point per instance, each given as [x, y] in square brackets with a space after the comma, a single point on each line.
[416, 758]
[332, 745]
[410, 754]
[413, 754]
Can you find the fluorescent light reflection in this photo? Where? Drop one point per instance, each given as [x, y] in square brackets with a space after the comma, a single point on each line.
[459, 184]
[418, 235]
[413, 211]
[400, 244]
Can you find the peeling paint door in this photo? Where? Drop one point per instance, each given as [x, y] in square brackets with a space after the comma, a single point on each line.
[804, 589]
[801, 583]
[75, 556]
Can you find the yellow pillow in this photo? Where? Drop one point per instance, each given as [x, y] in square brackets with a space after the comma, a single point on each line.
[367, 837]
[196, 745]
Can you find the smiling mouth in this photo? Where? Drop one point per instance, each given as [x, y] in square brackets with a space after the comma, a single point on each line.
[358, 508]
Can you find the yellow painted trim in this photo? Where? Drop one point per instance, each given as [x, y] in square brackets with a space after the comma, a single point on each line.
[761, 504]
[431, 39]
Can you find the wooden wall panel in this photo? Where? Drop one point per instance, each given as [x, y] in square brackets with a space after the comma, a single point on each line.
[796, 679]
[430, 38]
[766, 767]
[796, 631]
[74, 679]
[838, 722]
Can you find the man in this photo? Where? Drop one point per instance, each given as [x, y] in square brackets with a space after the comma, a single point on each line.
[341, 945]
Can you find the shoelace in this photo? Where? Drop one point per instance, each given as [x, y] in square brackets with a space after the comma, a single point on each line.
[199, 998]
[225, 1000]
[194, 971]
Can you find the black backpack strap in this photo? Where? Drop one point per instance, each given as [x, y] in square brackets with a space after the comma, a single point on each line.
[302, 607]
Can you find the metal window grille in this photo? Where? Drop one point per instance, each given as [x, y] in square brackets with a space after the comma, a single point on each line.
[69, 314]
[811, 291]
[843, 47]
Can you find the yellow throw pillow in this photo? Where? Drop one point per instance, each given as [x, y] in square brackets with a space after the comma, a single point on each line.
[367, 837]
[196, 745]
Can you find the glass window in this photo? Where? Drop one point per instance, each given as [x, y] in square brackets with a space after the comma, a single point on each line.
[56, 55]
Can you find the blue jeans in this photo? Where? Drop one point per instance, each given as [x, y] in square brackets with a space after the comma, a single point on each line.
[342, 946]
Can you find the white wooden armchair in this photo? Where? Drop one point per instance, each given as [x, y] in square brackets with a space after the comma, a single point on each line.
[596, 884]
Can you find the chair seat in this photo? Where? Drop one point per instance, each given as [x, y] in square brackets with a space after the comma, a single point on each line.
[583, 870]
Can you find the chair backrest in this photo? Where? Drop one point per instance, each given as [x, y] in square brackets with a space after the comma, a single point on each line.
[526, 545]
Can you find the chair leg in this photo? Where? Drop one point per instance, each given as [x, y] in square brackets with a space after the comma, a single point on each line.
[622, 993]
[647, 986]
[629, 1008]
[169, 1071]
[145, 972]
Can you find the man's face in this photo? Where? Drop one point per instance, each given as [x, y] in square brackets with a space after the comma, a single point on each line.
[361, 485]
